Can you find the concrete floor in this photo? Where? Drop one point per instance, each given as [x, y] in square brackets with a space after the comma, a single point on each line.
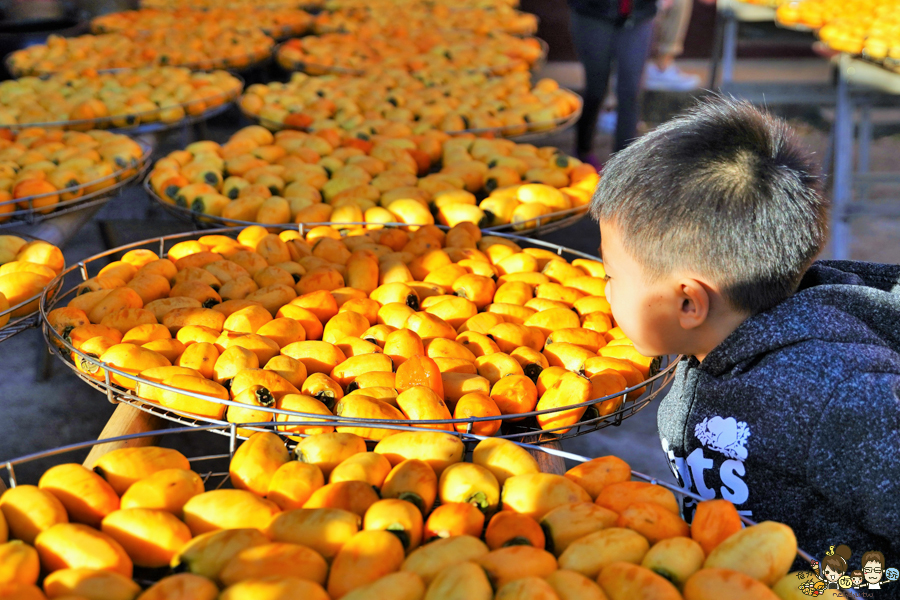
[39, 413]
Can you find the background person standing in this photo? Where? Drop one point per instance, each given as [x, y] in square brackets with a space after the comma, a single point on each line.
[607, 31]
[661, 73]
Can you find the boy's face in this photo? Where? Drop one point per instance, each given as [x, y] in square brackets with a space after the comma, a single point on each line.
[647, 311]
[872, 571]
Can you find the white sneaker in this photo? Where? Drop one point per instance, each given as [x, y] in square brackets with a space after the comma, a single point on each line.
[672, 79]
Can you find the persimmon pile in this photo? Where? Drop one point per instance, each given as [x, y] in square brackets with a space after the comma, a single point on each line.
[388, 324]
[869, 28]
[386, 16]
[26, 268]
[445, 100]
[334, 5]
[276, 22]
[298, 177]
[235, 5]
[208, 46]
[330, 521]
[412, 50]
[114, 99]
[41, 168]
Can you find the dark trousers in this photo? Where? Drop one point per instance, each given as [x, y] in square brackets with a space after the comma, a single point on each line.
[599, 43]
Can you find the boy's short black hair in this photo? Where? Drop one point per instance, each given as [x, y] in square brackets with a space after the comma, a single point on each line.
[724, 189]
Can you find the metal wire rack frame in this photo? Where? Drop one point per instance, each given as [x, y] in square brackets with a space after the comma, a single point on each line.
[32, 214]
[595, 417]
[544, 224]
[138, 126]
[17, 325]
[217, 479]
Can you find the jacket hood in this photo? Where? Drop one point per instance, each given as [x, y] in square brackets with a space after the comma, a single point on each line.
[838, 302]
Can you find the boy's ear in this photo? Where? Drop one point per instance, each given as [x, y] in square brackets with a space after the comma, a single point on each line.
[694, 303]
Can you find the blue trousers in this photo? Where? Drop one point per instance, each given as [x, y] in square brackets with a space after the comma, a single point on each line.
[599, 43]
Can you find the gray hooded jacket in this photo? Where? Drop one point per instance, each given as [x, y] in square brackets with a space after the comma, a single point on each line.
[795, 417]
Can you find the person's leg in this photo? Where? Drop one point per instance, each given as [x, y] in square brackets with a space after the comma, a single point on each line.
[671, 27]
[632, 47]
[593, 40]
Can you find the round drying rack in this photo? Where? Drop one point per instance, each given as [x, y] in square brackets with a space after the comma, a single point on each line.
[311, 68]
[316, 30]
[19, 323]
[276, 32]
[34, 213]
[147, 121]
[213, 469]
[524, 132]
[240, 64]
[307, 5]
[602, 412]
[543, 224]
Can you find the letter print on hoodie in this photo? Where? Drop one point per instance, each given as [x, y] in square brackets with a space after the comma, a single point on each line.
[716, 467]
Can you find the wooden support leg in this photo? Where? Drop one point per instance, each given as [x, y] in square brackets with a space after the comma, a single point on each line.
[547, 462]
[125, 420]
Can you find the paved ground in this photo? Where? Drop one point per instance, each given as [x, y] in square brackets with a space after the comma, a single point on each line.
[39, 413]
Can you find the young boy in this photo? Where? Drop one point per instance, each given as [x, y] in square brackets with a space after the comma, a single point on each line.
[786, 402]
